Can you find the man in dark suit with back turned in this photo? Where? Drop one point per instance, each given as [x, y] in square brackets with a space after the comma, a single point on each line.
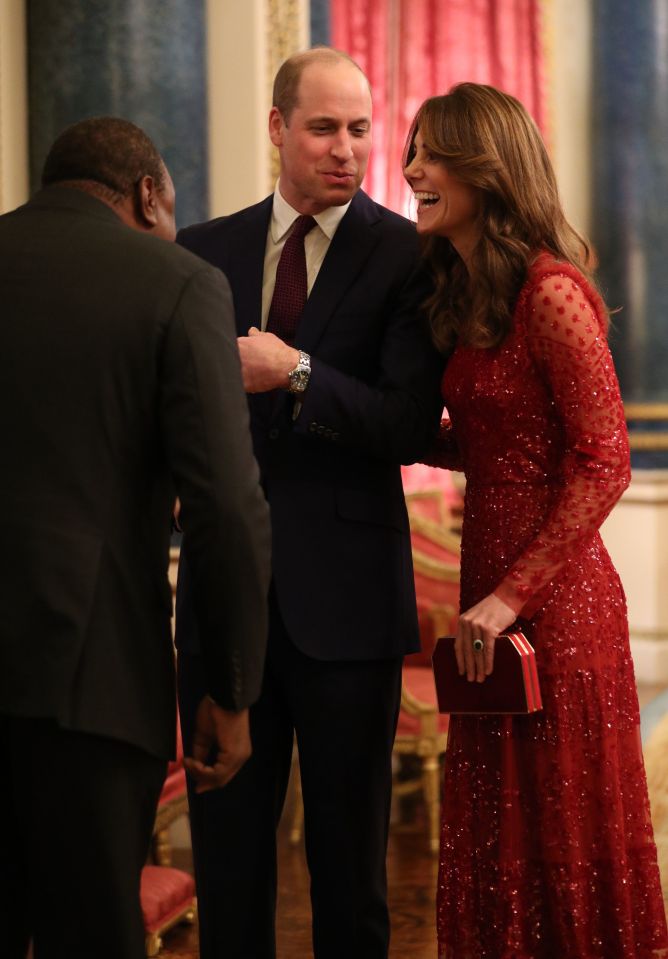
[335, 408]
[120, 384]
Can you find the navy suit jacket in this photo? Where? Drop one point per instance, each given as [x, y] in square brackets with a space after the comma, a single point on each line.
[342, 563]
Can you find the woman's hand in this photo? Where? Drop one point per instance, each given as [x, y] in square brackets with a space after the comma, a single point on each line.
[481, 623]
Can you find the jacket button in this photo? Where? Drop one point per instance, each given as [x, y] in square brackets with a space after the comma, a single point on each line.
[321, 430]
[274, 433]
[313, 427]
[335, 437]
[328, 434]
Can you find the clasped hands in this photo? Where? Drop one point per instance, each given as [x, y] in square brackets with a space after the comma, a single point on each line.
[484, 621]
[266, 361]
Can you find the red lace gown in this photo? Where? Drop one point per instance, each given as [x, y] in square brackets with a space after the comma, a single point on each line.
[547, 849]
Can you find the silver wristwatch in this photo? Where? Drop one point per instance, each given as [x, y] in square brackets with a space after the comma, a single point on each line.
[299, 377]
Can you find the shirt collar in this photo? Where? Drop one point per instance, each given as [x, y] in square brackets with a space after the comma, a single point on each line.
[283, 216]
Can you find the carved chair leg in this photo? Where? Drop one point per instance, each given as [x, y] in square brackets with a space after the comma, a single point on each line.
[153, 944]
[431, 782]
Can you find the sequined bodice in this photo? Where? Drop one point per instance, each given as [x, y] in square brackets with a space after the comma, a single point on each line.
[539, 428]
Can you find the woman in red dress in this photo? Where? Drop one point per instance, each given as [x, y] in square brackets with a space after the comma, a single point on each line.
[547, 849]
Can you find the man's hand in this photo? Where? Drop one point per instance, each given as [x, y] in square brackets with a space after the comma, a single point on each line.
[265, 361]
[224, 731]
[484, 622]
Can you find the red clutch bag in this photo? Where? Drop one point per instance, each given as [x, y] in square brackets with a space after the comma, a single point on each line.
[511, 688]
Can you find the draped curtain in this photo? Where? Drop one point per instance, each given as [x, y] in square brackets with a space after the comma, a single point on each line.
[414, 49]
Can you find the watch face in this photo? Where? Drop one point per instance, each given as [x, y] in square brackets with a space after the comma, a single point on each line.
[299, 380]
[299, 377]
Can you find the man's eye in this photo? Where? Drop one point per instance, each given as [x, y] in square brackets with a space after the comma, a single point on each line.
[359, 131]
[320, 129]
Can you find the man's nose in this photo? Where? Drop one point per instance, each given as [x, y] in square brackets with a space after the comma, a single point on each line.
[342, 147]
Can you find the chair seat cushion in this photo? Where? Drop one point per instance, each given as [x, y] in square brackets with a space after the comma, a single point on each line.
[165, 893]
[419, 681]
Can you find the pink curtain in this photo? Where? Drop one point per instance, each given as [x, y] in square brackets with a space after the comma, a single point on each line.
[414, 49]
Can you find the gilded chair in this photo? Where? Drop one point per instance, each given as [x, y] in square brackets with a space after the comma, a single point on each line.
[173, 803]
[167, 898]
[167, 894]
[422, 730]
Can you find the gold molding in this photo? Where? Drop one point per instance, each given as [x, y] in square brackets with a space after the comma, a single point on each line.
[646, 411]
[286, 33]
[644, 439]
[656, 442]
[648, 635]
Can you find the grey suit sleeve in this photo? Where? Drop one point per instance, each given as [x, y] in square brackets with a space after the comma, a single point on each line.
[223, 511]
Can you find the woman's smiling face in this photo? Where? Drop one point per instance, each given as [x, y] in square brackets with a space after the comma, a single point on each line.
[446, 206]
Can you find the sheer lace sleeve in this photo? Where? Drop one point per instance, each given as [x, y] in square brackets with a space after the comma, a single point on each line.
[570, 349]
[444, 452]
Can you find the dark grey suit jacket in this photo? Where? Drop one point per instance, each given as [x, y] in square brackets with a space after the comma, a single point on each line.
[120, 384]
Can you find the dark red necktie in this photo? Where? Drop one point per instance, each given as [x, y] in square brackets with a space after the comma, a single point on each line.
[291, 287]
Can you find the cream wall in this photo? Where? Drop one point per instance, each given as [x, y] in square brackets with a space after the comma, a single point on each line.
[636, 534]
[246, 43]
[568, 40]
[238, 104]
[13, 105]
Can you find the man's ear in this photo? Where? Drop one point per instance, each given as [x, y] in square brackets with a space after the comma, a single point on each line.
[145, 202]
[276, 125]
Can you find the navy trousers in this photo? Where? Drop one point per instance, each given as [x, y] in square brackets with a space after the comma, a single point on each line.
[344, 715]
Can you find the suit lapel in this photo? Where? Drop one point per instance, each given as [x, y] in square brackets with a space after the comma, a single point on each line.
[246, 265]
[348, 252]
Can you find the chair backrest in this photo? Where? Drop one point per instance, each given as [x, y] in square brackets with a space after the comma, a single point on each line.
[436, 559]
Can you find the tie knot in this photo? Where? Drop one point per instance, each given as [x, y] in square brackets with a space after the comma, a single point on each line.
[301, 226]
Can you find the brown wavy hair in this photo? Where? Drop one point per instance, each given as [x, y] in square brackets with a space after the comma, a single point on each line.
[487, 139]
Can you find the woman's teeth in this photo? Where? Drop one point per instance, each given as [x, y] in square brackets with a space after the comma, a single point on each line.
[426, 199]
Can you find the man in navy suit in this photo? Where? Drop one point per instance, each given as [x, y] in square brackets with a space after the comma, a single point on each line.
[333, 416]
